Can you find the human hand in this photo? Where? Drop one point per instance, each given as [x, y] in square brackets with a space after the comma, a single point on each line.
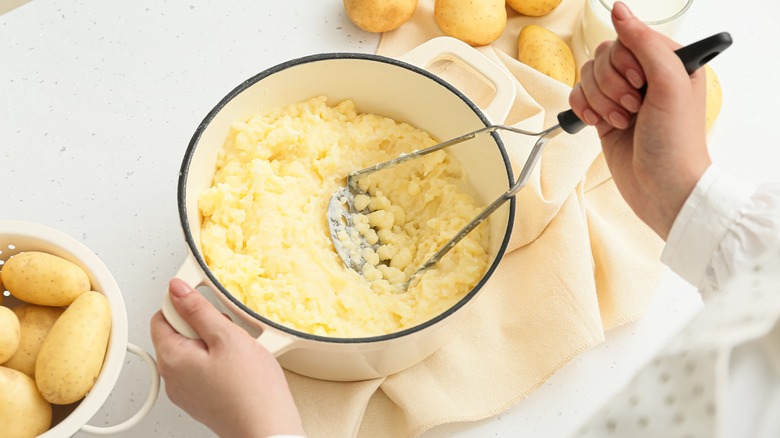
[655, 146]
[226, 380]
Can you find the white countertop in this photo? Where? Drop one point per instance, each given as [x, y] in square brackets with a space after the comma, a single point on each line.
[98, 100]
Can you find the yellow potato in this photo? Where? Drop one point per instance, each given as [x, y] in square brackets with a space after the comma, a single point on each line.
[533, 8]
[72, 355]
[476, 22]
[379, 15]
[9, 333]
[41, 278]
[35, 322]
[714, 97]
[23, 412]
[543, 50]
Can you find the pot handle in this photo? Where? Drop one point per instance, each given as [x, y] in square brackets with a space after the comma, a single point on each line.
[276, 343]
[452, 49]
[147, 406]
[190, 273]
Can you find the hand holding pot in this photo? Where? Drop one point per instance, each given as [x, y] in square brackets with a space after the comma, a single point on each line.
[656, 159]
[225, 380]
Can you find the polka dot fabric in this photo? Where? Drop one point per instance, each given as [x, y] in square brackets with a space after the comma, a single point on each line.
[689, 389]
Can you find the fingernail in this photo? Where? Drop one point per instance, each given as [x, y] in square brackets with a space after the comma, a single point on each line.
[591, 118]
[618, 120]
[178, 287]
[621, 11]
[630, 103]
[634, 78]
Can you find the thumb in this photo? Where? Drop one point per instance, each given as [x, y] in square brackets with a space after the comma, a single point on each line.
[653, 50]
[208, 322]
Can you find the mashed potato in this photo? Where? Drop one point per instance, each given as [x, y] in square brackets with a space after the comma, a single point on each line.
[265, 234]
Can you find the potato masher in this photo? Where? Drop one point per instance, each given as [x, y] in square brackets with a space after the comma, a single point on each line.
[341, 208]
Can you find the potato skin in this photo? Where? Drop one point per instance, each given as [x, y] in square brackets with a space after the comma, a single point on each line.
[71, 356]
[543, 50]
[35, 323]
[533, 8]
[476, 22]
[379, 15]
[23, 412]
[45, 279]
[9, 333]
[714, 97]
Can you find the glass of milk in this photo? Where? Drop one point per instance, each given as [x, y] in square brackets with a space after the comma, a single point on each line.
[664, 16]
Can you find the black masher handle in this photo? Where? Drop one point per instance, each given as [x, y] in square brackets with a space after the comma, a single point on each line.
[693, 57]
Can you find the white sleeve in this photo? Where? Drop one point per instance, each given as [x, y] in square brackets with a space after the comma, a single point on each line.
[724, 225]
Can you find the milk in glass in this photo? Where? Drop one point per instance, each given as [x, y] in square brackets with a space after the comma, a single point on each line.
[662, 15]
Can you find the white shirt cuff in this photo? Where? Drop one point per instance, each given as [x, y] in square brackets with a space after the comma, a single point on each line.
[707, 214]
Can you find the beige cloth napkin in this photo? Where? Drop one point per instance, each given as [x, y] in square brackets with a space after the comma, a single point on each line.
[579, 263]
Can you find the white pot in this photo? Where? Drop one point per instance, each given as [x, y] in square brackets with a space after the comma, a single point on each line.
[403, 91]
[19, 236]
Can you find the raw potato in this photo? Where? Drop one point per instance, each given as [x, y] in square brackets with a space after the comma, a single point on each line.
[545, 51]
[23, 412]
[72, 355]
[380, 15]
[35, 322]
[714, 97]
[533, 8]
[9, 333]
[476, 22]
[45, 279]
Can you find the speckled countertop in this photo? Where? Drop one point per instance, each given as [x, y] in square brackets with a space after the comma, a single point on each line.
[98, 100]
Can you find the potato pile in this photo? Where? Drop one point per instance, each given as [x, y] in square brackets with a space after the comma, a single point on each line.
[52, 345]
[478, 23]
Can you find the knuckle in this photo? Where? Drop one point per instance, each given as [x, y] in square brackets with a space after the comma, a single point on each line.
[602, 47]
[165, 366]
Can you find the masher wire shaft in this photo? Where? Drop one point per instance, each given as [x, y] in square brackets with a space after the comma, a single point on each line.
[352, 177]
